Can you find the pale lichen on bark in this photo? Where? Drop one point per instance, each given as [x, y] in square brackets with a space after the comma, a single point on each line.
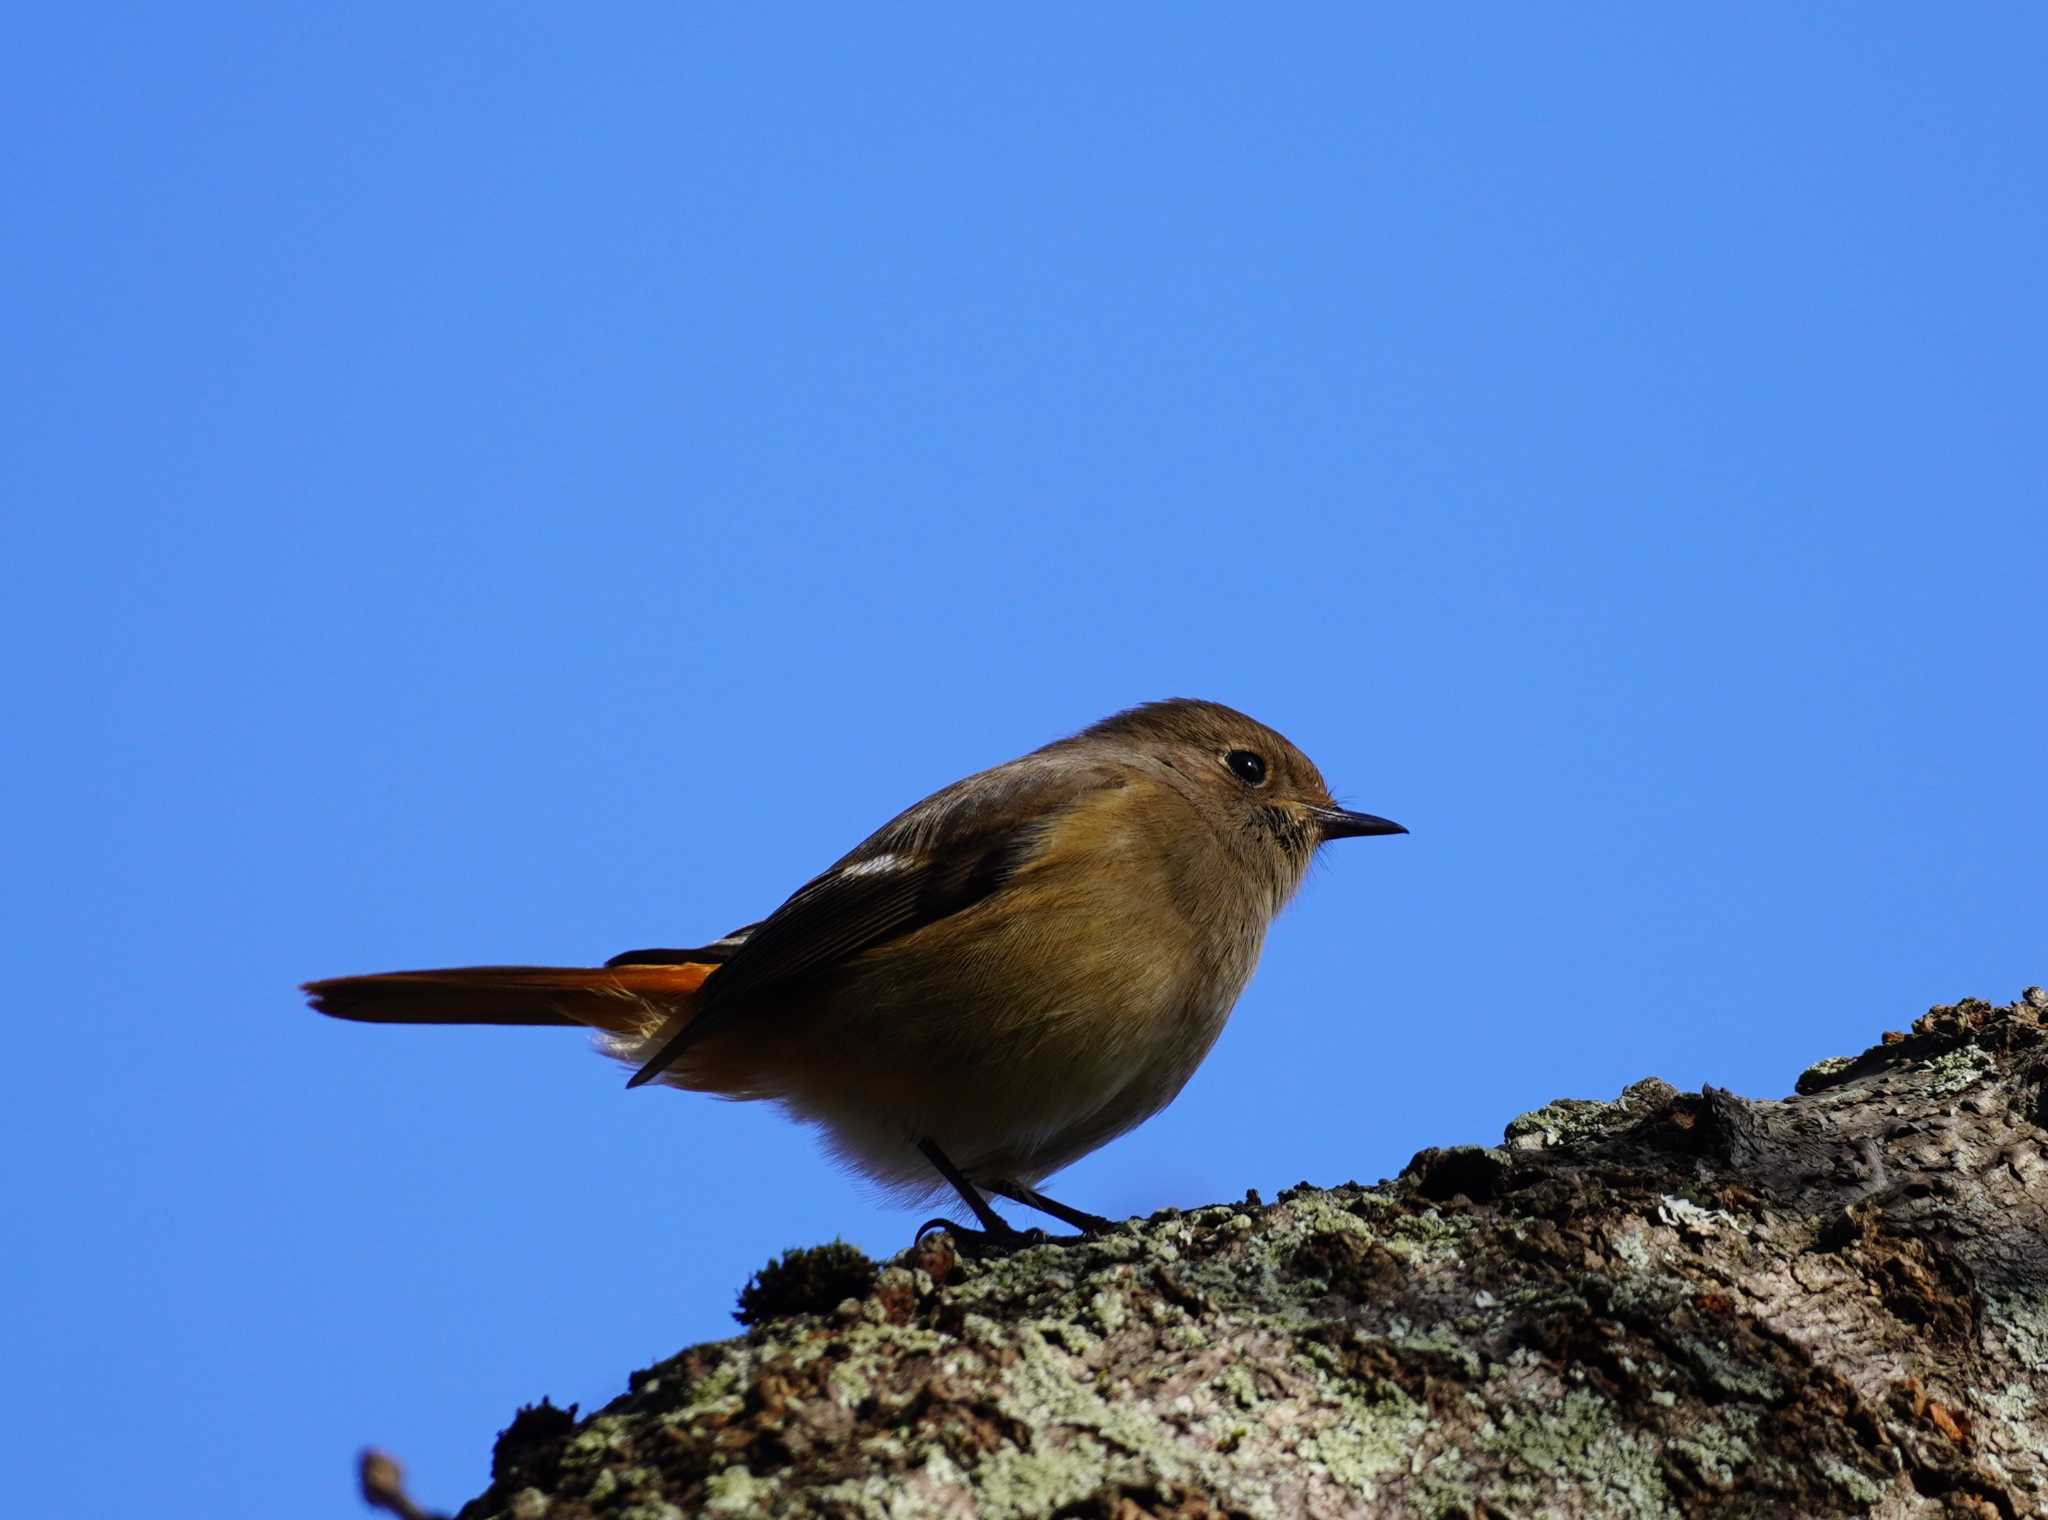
[1669, 1304]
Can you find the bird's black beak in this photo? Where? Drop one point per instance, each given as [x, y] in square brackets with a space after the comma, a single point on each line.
[1341, 823]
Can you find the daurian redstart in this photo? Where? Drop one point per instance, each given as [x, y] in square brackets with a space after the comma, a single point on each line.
[988, 987]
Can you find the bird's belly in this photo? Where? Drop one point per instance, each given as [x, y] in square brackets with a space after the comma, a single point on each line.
[1015, 1077]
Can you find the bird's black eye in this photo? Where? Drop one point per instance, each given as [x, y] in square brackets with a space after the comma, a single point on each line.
[1246, 766]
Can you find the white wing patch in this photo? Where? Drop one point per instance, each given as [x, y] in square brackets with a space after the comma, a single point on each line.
[878, 866]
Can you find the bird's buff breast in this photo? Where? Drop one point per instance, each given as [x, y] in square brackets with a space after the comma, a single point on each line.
[1037, 1028]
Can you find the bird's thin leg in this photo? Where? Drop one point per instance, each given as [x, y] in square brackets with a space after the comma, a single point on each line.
[1080, 1219]
[995, 1230]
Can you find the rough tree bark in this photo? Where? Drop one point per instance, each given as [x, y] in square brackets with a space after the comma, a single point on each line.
[1671, 1304]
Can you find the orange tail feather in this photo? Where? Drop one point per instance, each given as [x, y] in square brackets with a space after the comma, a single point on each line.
[619, 999]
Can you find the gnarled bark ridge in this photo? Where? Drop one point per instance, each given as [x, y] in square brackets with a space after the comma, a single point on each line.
[1671, 1304]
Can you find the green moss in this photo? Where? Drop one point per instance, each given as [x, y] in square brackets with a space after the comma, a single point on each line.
[1437, 1344]
[870, 1498]
[736, 1491]
[1553, 1123]
[1109, 1311]
[1578, 1441]
[1958, 1069]
[1631, 1246]
[2022, 1319]
[2015, 1401]
[1026, 1485]
[1858, 1488]
[1726, 1374]
[1430, 1238]
[1237, 1385]
[1715, 1452]
[1818, 1074]
[1572, 1119]
[1369, 1438]
[605, 1434]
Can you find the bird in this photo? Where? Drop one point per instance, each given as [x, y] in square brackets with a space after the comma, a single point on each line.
[1003, 977]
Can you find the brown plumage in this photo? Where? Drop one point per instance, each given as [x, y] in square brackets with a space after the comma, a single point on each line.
[618, 1000]
[1000, 979]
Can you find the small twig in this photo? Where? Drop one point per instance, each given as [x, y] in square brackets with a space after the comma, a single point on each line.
[383, 1482]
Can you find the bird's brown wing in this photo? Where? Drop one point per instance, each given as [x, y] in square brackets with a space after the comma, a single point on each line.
[948, 853]
[850, 909]
[717, 953]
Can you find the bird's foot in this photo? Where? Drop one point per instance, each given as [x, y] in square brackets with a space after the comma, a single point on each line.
[982, 1243]
[1091, 1226]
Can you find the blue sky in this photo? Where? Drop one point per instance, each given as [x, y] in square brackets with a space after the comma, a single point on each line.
[515, 485]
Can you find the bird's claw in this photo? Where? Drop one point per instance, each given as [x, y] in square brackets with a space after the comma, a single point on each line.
[978, 1243]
